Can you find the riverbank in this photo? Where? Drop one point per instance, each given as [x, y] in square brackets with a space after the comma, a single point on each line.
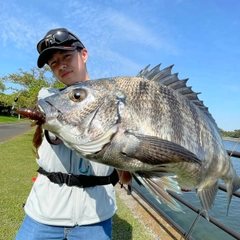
[231, 139]
[152, 222]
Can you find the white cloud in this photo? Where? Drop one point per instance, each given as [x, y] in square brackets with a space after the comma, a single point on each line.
[102, 24]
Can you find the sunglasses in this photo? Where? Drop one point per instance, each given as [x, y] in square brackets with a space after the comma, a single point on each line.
[56, 38]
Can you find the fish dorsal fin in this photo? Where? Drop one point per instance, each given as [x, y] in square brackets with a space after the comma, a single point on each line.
[165, 77]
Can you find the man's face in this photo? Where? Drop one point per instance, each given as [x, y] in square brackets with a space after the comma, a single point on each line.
[69, 66]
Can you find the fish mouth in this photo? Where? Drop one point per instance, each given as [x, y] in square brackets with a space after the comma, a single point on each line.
[48, 109]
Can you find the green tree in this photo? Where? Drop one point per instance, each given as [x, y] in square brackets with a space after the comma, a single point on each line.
[236, 133]
[2, 87]
[233, 134]
[30, 82]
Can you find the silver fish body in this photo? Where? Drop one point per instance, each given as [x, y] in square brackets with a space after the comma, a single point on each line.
[152, 125]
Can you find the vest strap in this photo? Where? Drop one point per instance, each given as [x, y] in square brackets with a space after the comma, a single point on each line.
[81, 181]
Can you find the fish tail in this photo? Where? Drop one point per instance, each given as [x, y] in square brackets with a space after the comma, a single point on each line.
[232, 187]
[158, 186]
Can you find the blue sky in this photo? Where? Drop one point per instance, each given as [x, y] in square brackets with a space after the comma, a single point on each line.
[200, 37]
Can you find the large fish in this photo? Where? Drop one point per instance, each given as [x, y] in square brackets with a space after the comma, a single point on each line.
[152, 125]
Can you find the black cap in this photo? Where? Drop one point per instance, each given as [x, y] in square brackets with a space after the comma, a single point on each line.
[67, 41]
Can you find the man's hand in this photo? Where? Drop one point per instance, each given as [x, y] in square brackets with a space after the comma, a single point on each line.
[124, 176]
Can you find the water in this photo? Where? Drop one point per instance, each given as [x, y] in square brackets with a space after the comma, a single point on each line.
[204, 229]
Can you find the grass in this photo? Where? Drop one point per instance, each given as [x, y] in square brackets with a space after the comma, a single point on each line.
[18, 166]
[126, 226]
[9, 119]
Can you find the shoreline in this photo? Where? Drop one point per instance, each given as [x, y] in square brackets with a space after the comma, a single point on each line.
[231, 139]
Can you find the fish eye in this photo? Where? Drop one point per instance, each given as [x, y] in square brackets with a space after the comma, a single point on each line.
[77, 95]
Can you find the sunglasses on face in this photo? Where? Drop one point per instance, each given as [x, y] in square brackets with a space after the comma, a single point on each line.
[56, 38]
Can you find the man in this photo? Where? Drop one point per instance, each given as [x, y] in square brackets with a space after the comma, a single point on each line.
[58, 208]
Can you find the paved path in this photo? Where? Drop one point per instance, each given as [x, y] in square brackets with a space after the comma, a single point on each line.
[8, 131]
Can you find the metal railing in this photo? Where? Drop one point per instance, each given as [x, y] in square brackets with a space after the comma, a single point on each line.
[179, 229]
[233, 153]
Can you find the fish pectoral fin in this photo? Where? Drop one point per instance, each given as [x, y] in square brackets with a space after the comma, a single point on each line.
[207, 196]
[154, 150]
[158, 187]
